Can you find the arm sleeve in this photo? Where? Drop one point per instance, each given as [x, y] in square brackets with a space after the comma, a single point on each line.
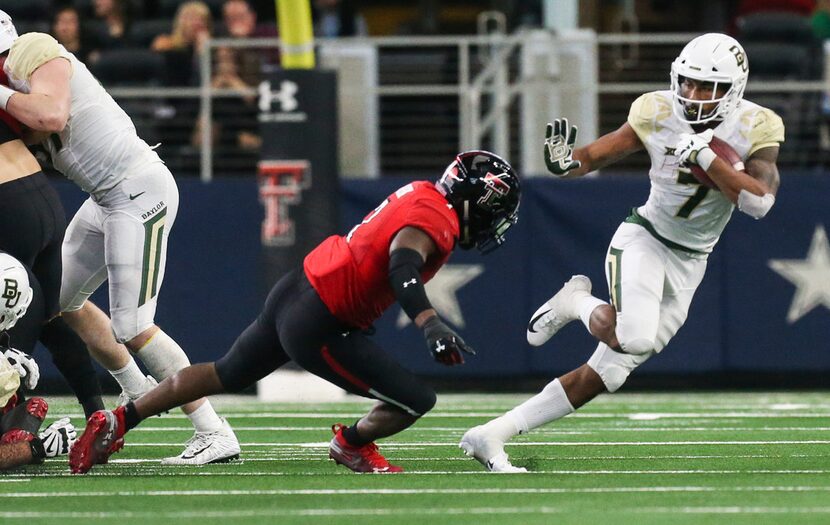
[405, 279]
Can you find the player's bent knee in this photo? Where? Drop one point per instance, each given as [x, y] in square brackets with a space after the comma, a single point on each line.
[614, 367]
[613, 376]
[417, 403]
[637, 346]
[427, 402]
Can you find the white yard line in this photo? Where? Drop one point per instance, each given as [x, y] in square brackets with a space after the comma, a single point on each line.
[546, 431]
[400, 492]
[404, 445]
[406, 511]
[639, 416]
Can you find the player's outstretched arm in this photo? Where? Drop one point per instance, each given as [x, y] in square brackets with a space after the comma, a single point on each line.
[605, 151]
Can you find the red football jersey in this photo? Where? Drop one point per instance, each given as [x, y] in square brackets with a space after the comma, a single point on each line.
[351, 272]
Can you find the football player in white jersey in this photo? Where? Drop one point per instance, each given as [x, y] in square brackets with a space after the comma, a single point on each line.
[657, 257]
[120, 233]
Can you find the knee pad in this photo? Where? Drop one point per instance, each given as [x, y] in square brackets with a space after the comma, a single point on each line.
[162, 356]
[614, 367]
[126, 329]
[637, 346]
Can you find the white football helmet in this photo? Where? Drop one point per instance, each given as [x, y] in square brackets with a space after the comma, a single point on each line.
[7, 32]
[713, 57]
[15, 292]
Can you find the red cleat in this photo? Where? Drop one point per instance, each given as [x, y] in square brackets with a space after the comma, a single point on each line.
[102, 437]
[35, 408]
[359, 459]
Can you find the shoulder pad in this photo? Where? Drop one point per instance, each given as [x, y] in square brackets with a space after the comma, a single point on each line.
[29, 52]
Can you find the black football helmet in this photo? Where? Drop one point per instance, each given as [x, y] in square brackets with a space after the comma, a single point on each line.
[484, 191]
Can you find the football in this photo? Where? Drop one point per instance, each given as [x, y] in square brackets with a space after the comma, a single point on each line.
[724, 151]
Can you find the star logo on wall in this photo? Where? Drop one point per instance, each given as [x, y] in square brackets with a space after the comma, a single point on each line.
[442, 292]
[810, 276]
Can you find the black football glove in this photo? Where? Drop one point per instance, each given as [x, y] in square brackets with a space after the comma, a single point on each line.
[444, 344]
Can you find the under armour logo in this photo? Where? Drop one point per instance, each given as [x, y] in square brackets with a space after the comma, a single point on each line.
[440, 347]
[411, 281]
[11, 293]
[286, 96]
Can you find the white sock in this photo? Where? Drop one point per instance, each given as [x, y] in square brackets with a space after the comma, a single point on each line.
[585, 306]
[130, 378]
[205, 419]
[548, 405]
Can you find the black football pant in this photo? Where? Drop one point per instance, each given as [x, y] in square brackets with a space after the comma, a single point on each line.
[295, 325]
[32, 225]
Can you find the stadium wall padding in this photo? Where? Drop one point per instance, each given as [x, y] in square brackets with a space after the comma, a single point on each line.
[738, 322]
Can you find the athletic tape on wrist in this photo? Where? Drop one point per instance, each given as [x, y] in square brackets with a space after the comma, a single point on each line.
[5, 95]
[705, 158]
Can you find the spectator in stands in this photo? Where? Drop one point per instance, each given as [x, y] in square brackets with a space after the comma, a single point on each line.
[336, 18]
[115, 16]
[192, 26]
[67, 29]
[237, 126]
[820, 20]
[240, 21]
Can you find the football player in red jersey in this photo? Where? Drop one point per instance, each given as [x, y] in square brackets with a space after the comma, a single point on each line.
[317, 316]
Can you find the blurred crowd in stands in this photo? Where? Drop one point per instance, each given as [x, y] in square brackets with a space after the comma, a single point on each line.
[159, 43]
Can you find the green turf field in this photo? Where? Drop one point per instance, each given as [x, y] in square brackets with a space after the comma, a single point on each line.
[751, 458]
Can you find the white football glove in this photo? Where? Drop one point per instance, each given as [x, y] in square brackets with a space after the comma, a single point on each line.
[694, 149]
[25, 366]
[560, 139]
[58, 437]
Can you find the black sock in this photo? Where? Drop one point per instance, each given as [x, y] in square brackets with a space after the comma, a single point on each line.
[92, 404]
[131, 417]
[353, 438]
[71, 357]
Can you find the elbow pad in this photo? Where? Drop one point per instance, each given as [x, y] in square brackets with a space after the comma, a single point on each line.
[753, 205]
[405, 279]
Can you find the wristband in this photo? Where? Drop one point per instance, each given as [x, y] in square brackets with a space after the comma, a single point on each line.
[5, 95]
[705, 158]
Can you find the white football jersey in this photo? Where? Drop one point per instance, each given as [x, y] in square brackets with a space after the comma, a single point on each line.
[678, 207]
[99, 146]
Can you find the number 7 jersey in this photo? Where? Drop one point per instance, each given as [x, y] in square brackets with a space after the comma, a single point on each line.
[351, 272]
[679, 208]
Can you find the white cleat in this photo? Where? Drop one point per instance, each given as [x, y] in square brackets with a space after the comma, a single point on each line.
[127, 396]
[557, 311]
[218, 446]
[489, 451]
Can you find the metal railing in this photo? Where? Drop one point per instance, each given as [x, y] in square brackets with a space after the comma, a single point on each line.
[475, 67]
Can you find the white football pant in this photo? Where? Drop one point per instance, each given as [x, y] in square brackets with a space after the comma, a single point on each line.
[122, 237]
